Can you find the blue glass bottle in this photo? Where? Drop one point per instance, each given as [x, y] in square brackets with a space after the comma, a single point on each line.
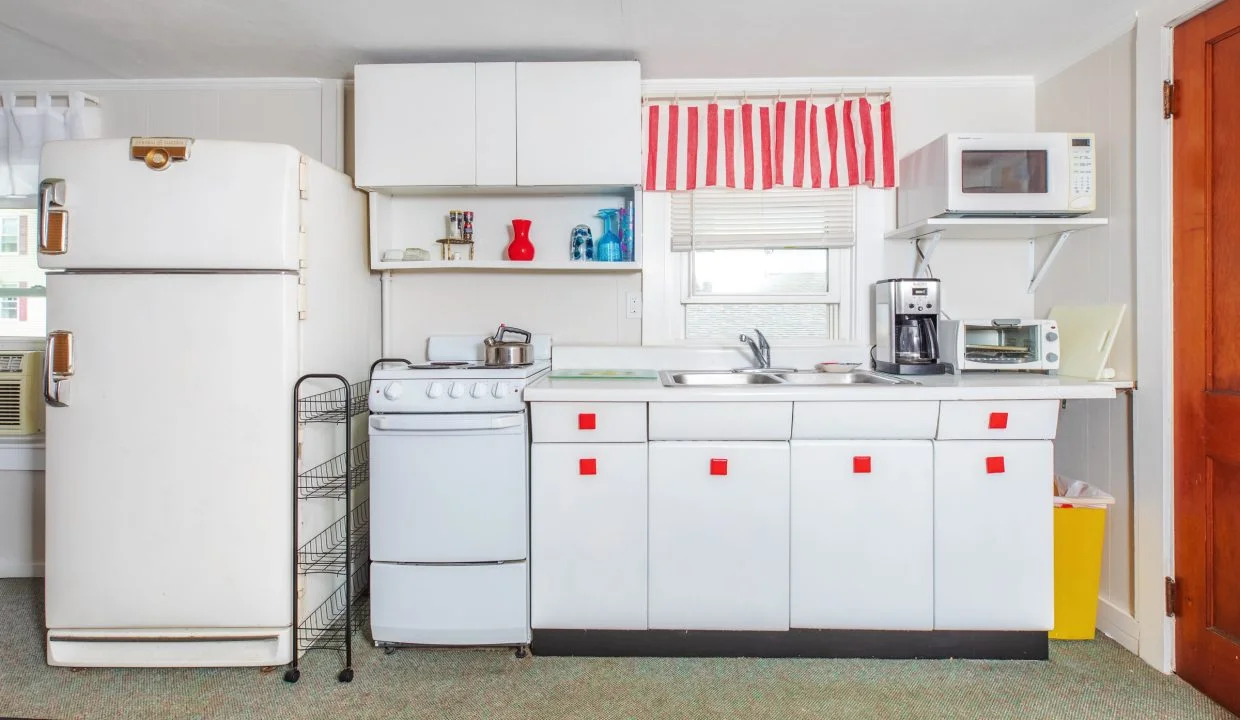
[607, 249]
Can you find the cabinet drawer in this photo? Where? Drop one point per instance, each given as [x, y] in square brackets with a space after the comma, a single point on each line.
[589, 422]
[864, 420]
[719, 536]
[862, 554]
[993, 535]
[588, 536]
[721, 421]
[998, 420]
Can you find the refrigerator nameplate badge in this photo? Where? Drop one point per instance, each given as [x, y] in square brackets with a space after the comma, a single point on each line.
[159, 152]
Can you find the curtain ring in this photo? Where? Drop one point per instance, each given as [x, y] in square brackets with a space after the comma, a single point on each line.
[714, 99]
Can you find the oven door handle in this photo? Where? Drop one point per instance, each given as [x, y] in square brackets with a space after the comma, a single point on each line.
[431, 422]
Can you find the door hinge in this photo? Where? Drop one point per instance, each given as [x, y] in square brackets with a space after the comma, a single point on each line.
[1173, 597]
[301, 296]
[303, 171]
[1169, 106]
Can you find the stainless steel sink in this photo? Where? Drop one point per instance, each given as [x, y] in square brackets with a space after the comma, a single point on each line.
[856, 377]
[725, 378]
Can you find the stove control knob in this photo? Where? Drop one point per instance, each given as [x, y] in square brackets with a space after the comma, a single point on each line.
[434, 390]
[478, 390]
[456, 390]
[499, 390]
[393, 391]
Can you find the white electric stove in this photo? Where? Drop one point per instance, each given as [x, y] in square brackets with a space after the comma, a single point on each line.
[449, 489]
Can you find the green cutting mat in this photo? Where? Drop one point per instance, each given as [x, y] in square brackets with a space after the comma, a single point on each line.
[606, 374]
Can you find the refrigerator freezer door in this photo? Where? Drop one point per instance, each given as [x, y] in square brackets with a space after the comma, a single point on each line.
[228, 206]
[168, 469]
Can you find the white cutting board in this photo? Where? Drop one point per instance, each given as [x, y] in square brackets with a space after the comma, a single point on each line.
[1086, 336]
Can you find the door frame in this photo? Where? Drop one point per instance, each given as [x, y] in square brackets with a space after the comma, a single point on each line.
[1153, 430]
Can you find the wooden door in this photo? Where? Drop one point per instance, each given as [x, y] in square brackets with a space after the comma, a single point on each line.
[1207, 351]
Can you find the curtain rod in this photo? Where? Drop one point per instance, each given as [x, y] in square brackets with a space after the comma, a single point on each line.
[789, 94]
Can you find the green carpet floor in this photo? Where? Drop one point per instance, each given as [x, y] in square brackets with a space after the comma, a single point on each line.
[1082, 681]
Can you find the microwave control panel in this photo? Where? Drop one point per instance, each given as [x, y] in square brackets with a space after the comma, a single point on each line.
[1082, 172]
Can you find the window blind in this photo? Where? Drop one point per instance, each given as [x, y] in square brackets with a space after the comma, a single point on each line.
[777, 218]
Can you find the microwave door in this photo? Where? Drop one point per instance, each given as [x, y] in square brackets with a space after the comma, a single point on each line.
[1016, 175]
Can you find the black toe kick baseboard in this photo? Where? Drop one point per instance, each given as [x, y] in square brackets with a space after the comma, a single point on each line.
[876, 644]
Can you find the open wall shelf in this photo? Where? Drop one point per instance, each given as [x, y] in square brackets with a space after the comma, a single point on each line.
[925, 235]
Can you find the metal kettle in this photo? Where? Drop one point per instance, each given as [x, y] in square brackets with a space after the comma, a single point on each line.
[506, 353]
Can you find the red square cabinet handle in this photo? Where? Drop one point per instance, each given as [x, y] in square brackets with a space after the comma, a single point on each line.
[586, 421]
[994, 465]
[861, 464]
[587, 466]
[998, 421]
[718, 466]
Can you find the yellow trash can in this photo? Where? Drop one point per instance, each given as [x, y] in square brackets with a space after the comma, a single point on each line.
[1080, 527]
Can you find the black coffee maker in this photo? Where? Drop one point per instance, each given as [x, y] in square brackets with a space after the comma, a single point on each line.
[906, 327]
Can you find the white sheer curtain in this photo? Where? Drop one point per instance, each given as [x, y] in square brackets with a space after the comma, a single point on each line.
[27, 120]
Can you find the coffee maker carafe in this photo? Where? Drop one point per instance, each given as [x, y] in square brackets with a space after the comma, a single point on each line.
[906, 327]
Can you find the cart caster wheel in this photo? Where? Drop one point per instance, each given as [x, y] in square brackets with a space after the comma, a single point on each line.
[522, 652]
[345, 675]
[292, 675]
[389, 650]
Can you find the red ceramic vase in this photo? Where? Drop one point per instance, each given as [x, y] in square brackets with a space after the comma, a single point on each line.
[521, 248]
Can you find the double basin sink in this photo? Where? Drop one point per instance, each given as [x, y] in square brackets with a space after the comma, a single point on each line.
[728, 378]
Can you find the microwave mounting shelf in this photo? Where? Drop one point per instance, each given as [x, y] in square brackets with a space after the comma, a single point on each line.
[1030, 229]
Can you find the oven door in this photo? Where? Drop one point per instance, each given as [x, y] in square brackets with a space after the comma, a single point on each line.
[449, 488]
[1008, 174]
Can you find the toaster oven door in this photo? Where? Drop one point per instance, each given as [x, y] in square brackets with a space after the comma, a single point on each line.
[1002, 344]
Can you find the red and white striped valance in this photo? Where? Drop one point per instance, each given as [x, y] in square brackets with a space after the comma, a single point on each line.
[786, 143]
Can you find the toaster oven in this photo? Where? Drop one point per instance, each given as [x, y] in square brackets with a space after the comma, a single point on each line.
[1000, 344]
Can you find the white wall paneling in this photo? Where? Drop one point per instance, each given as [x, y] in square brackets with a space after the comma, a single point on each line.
[307, 113]
[1097, 267]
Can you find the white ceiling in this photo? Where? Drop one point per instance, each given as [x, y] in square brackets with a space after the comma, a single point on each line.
[79, 39]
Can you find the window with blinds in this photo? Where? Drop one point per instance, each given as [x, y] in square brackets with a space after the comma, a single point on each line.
[776, 260]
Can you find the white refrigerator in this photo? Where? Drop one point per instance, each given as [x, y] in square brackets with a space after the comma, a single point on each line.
[189, 285]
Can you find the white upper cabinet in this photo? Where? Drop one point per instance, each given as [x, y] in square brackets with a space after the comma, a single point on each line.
[414, 125]
[497, 124]
[579, 123]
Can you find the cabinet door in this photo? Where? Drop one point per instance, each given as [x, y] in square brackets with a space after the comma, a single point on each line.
[588, 536]
[993, 535]
[414, 124]
[862, 535]
[495, 128]
[579, 123]
[719, 535]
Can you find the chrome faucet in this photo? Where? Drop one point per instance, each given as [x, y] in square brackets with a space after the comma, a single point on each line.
[761, 349]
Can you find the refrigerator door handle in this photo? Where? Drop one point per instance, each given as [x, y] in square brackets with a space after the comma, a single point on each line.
[57, 366]
[53, 219]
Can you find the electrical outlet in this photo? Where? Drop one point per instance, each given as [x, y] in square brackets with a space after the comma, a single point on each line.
[632, 305]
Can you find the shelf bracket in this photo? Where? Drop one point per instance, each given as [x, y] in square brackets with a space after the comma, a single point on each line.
[1036, 275]
[922, 258]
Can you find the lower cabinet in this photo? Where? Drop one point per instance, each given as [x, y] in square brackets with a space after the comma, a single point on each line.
[862, 554]
[719, 535]
[588, 536]
[993, 535]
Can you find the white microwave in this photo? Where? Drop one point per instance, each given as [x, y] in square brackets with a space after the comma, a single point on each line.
[1000, 344]
[965, 175]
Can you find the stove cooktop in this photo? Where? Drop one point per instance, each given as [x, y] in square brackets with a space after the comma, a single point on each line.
[448, 370]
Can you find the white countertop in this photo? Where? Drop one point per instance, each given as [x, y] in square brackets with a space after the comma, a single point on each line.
[988, 386]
